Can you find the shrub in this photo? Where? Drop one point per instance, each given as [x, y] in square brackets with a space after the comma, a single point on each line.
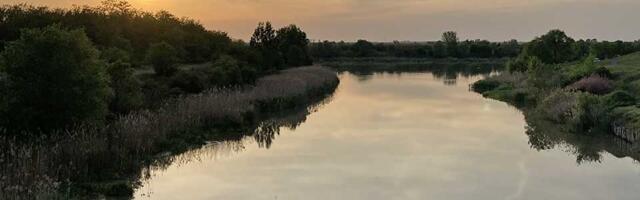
[484, 85]
[587, 68]
[164, 58]
[189, 81]
[114, 54]
[520, 64]
[559, 105]
[592, 112]
[603, 72]
[126, 88]
[55, 80]
[593, 84]
[620, 98]
[228, 71]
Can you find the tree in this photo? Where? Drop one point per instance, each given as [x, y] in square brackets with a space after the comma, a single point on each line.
[264, 40]
[552, 48]
[363, 48]
[228, 71]
[55, 80]
[126, 88]
[294, 45]
[163, 58]
[450, 39]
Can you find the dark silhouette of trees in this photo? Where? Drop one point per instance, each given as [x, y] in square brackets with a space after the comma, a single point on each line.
[438, 49]
[363, 48]
[552, 48]
[286, 47]
[163, 58]
[127, 92]
[55, 80]
[293, 42]
[264, 40]
[450, 39]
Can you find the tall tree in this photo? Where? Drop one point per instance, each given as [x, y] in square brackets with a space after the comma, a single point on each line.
[265, 41]
[294, 45]
[450, 39]
[552, 48]
[55, 80]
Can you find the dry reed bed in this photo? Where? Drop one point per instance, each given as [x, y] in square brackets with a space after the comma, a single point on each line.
[40, 167]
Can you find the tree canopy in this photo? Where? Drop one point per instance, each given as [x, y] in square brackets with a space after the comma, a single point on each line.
[55, 80]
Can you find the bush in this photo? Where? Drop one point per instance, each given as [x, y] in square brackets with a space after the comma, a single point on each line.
[55, 80]
[603, 72]
[593, 84]
[114, 54]
[593, 112]
[126, 88]
[587, 68]
[559, 105]
[520, 64]
[228, 71]
[484, 85]
[164, 58]
[189, 81]
[620, 98]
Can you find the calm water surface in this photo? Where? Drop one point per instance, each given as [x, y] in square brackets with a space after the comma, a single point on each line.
[398, 136]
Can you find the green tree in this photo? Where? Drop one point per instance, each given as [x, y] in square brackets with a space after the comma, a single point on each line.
[363, 48]
[552, 48]
[163, 58]
[450, 39]
[55, 80]
[126, 88]
[226, 70]
[293, 42]
[265, 41]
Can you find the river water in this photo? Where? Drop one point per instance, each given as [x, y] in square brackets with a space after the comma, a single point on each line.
[413, 135]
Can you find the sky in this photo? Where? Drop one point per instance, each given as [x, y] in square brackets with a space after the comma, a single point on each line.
[404, 20]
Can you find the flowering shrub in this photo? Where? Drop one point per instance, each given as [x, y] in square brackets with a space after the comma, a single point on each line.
[594, 84]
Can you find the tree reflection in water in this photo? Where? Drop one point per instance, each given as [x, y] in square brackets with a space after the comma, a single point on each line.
[587, 147]
[263, 134]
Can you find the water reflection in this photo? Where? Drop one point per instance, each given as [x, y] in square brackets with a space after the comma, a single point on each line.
[546, 135]
[448, 74]
[403, 135]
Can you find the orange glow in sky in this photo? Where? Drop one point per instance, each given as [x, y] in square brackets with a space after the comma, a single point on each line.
[417, 20]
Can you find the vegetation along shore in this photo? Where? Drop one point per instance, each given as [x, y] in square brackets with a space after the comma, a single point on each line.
[586, 91]
[93, 95]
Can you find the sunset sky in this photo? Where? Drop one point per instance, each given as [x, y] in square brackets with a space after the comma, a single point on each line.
[415, 20]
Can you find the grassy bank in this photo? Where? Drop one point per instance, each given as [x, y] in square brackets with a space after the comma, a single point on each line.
[585, 97]
[109, 161]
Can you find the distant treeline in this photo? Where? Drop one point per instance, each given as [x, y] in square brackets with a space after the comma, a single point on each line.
[451, 47]
[63, 67]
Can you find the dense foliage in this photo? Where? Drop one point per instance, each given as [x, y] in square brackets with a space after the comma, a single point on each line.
[565, 82]
[556, 47]
[54, 79]
[115, 59]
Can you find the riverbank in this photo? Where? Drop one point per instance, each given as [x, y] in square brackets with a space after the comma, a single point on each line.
[109, 161]
[585, 97]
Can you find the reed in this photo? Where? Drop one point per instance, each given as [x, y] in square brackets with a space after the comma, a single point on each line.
[60, 165]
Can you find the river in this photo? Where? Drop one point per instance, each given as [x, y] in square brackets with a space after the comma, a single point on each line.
[410, 135]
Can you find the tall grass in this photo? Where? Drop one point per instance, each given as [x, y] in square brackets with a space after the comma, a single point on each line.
[44, 166]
